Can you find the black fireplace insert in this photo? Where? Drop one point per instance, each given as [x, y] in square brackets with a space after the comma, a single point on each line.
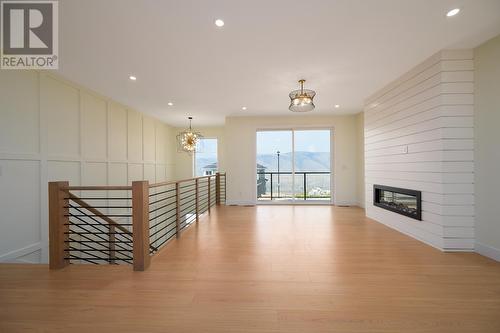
[399, 200]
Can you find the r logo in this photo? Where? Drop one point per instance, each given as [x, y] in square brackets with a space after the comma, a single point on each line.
[27, 28]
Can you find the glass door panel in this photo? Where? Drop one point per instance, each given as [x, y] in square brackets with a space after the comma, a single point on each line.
[312, 165]
[274, 165]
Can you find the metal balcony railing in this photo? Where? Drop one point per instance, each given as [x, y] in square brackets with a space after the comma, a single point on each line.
[307, 185]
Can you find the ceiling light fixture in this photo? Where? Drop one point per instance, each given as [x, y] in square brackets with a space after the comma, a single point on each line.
[453, 12]
[133, 78]
[337, 106]
[170, 103]
[187, 140]
[219, 23]
[244, 108]
[302, 100]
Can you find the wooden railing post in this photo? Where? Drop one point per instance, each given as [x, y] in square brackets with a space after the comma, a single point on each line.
[58, 225]
[140, 224]
[177, 210]
[209, 201]
[217, 189]
[196, 199]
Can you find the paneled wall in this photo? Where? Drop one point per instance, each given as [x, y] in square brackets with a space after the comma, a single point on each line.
[51, 129]
[419, 135]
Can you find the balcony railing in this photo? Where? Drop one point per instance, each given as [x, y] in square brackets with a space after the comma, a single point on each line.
[125, 224]
[307, 185]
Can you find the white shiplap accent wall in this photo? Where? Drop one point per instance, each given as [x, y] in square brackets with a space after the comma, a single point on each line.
[419, 134]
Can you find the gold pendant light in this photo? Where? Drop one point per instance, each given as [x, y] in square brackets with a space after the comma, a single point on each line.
[302, 100]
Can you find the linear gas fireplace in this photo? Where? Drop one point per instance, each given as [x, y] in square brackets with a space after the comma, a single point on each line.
[400, 200]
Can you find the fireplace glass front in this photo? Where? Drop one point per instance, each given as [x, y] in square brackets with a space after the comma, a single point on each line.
[403, 201]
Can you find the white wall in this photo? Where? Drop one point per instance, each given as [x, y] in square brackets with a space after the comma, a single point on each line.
[184, 161]
[360, 159]
[486, 145]
[419, 135]
[51, 129]
[240, 153]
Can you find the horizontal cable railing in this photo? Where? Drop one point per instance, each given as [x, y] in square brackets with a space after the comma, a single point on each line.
[162, 215]
[99, 230]
[125, 224]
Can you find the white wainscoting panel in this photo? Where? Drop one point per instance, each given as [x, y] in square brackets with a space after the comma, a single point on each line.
[54, 130]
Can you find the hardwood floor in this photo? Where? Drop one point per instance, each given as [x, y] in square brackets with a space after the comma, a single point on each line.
[265, 269]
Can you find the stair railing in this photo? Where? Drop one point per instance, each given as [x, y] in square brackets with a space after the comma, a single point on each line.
[125, 224]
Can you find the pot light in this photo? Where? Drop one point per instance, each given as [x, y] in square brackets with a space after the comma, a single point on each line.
[219, 23]
[170, 104]
[337, 106]
[453, 12]
[244, 108]
[133, 78]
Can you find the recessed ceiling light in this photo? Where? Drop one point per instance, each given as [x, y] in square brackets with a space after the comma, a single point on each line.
[133, 78]
[337, 106]
[453, 12]
[170, 103]
[219, 23]
[244, 108]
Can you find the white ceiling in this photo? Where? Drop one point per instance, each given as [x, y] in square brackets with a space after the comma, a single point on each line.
[346, 49]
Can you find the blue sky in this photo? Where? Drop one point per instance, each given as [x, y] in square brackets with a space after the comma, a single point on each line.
[269, 142]
[207, 146]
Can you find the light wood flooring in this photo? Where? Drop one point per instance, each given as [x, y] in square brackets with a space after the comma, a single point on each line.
[265, 269]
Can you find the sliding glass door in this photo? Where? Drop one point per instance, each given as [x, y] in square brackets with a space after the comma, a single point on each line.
[274, 165]
[312, 164]
[293, 165]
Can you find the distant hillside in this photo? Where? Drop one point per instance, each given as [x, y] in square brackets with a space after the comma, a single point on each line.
[304, 161]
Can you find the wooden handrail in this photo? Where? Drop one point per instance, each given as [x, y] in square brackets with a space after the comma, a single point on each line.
[129, 188]
[173, 182]
[97, 188]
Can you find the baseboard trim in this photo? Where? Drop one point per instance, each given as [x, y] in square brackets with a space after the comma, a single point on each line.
[488, 251]
[240, 203]
[345, 203]
[13, 255]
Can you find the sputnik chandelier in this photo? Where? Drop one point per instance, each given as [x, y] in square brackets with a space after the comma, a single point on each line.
[187, 140]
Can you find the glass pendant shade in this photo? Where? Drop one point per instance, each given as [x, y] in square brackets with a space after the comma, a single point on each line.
[302, 100]
[187, 140]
